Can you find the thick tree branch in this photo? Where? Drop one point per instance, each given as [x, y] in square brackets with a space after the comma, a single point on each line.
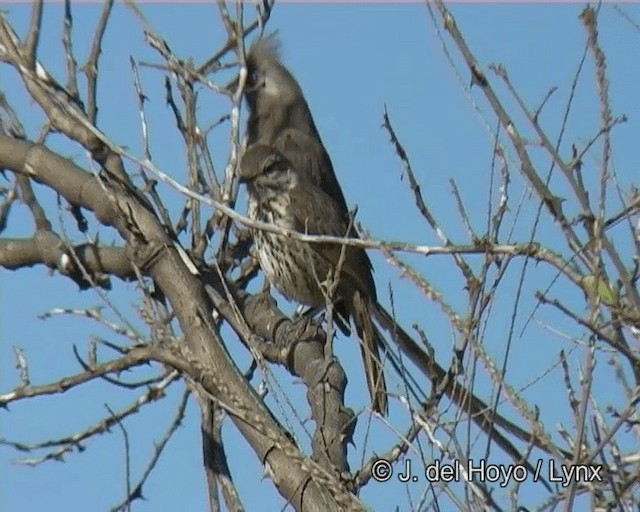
[114, 204]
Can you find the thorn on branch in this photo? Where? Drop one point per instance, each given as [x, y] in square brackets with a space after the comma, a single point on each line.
[477, 76]
[22, 367]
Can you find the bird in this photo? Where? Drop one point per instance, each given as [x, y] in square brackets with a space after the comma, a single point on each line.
[279, 195]
[279, 115]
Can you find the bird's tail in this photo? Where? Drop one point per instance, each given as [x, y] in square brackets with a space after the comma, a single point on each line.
[369, 343]
[480, 412]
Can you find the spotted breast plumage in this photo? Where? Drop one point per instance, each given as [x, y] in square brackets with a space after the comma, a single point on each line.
[300, 270]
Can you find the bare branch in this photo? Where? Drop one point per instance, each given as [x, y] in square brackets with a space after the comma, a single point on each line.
[67, 42]
[33, 37]
[91, 67]
[136, 492]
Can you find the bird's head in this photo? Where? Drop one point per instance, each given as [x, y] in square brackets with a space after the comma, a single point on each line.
[267, 78]
[263, 167]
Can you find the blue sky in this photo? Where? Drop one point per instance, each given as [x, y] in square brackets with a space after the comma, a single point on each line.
[351, 60]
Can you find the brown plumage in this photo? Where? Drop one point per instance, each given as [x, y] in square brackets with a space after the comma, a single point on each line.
[279, 116]
[279, 195]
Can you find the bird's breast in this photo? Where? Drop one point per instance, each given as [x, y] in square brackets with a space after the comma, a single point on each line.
[286, 261]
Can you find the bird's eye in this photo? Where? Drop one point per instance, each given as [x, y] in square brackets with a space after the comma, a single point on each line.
[272, 165]
[255, 78]
[271, 168]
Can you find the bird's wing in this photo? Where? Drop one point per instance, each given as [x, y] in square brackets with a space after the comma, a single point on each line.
[308, 156]
[317, 214]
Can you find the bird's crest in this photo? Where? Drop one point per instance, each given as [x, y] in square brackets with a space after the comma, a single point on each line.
[265, 49]
[264, 58]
